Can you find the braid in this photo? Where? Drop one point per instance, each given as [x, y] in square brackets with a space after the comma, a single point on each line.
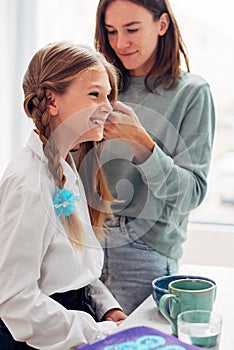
[54, 165]
[38, 110]
[41, 119]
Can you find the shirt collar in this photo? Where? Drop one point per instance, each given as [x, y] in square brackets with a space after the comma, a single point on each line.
[35, 144]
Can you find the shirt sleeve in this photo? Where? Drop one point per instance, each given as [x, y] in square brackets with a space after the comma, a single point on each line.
[101, 299]
[30, 315]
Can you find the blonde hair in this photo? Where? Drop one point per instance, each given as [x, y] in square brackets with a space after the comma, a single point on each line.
[55, 67]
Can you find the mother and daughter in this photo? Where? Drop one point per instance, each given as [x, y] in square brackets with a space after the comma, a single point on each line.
[65, 198]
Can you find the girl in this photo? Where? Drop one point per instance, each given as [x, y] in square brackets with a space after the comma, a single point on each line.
[50, 259]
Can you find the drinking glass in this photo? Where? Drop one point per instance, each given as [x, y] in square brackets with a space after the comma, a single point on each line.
[201, 328]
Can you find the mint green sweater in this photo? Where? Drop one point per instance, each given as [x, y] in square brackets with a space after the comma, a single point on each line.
[158, 195]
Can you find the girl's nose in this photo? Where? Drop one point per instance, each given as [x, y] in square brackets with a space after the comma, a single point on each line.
[106, 107]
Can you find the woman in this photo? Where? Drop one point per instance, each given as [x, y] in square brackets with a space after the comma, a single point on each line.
[50, 258]
[158, 144]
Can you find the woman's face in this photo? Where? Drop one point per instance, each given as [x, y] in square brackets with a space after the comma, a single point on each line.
[80, 113]
[133, 35]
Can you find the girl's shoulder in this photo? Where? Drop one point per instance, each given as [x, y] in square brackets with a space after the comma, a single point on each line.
[25, 173]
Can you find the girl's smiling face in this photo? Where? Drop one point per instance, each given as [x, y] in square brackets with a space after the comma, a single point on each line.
[79, 114]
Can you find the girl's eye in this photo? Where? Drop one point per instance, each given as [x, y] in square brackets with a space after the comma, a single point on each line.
[94, 93]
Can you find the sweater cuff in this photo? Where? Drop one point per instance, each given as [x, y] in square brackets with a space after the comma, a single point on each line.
[157, 165]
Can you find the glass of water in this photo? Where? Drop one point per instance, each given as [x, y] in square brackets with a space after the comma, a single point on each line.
[201, 328]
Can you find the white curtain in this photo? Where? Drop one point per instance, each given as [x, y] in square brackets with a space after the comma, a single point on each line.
[18, 37]
[25, 26]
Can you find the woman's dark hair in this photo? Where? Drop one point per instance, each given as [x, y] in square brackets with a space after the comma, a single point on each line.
[167, 67]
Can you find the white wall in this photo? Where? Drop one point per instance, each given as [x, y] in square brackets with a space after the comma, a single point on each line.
[209, 245]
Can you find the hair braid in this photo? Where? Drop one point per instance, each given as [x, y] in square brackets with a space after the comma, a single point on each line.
[39, 111]
[54, 165]
[41, 118]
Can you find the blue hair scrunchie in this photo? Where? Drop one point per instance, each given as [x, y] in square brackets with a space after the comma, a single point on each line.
[64, 202]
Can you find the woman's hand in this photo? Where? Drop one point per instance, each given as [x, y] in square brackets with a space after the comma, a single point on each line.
[115, 315]
[123, 124]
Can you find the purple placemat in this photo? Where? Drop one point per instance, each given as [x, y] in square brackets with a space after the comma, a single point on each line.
[138, 338]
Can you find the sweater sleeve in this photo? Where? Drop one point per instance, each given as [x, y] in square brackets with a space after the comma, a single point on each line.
[179, 177]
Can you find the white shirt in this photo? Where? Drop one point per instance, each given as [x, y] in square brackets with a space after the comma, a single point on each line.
[37, 259]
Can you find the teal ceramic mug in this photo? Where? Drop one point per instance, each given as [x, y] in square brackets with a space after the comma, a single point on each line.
[186, 294]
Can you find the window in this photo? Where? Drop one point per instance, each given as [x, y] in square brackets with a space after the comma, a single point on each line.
[209, 35]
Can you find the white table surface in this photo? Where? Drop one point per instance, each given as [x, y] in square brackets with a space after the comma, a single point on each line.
[147, 314]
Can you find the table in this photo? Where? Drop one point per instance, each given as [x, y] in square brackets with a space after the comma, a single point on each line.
[147, 314]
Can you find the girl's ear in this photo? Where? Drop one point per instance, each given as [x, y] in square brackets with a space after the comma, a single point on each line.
[51, 103]
[164, 22]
